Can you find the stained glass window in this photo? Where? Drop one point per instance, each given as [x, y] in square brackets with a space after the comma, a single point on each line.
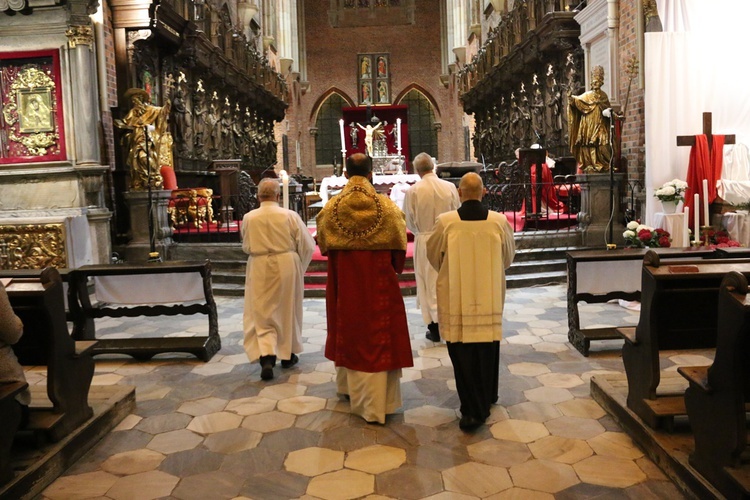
[328, 138]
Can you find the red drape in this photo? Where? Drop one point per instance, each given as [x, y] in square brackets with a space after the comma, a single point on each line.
[704, 163]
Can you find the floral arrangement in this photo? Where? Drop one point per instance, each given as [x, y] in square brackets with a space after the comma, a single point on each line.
[672, 191]
[639, 236]
[719, 239]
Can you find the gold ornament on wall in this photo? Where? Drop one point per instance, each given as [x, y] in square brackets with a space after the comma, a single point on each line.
[80, 35]
[31, 106]
[32, 246]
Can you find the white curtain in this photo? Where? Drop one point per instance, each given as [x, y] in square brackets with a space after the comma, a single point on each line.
[697, 66]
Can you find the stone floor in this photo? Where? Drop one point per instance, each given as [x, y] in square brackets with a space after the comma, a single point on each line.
[215, 430]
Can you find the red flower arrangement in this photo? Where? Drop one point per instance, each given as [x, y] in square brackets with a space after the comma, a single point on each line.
[640, 236]
[719, 239]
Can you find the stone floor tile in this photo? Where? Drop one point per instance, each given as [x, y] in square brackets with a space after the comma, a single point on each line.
[551, 348]
[133, 462]
[311, 378]
[560, 449]
[450, 495]
[561, 380]
[609, 471]
[268, 421]
[251, 406]
[535, 412]
[349, 438]
[341, 485]
[375, 459]
[543, 475]
[548, 395]
[574, 427]
[528, 369]
[524, 339]
[476, 479]
[128, 423]
[143, 486]
[421, 482]
[585, 490]
[432, 416]
[521, 494]
[209, 369]
[152, 392]
[314, 461]
[164, 423]
[232, 441]
[301, 405]
[282, 391]
[235, 359]
[651, 470]
[174, 441]
[191, 462]
[615, 444]
[208, 485]
[106, 379]
[519, 431]
[583, 408]
[87, 485]
[202, 406]
[215, 422]
[499, 452]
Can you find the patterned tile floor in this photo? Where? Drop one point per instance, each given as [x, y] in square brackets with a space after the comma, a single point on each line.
[215, 430]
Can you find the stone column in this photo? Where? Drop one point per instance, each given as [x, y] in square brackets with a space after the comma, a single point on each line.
[83, 76]
[595, 209]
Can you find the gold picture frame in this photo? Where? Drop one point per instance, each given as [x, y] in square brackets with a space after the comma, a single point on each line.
[374, 79]
[35, 111]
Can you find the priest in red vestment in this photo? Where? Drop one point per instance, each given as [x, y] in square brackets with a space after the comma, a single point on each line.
[363, 233]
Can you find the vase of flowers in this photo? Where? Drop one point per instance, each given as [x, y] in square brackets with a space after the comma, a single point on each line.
[670, 194]
[640, 236]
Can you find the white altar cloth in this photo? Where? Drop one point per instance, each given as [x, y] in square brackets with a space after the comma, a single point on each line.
[737, 225]
[149, 288]
[602, 277]
[337, 182]
[674, 224]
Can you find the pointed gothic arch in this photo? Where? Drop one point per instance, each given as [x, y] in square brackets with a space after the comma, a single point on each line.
[325, 116]
[422, 114]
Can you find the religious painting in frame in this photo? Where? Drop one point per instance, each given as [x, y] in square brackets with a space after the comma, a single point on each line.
[374, 79]
[31, 122]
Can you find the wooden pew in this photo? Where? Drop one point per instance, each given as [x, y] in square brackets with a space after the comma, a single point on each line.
[679, 310]
[46, 342]
[717, 396]
[10, 419]
[150, 277]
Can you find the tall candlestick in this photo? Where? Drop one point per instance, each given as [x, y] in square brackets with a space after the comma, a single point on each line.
[707, 220]
[696, 218]
[398, 134]
[343, 141]
[299, 160]
[285, 188]
[686, 227]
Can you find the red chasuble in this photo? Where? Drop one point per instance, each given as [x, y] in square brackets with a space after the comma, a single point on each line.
[704, 164]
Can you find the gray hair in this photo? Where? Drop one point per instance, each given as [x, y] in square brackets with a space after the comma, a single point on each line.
[268, 189]
[423, 163]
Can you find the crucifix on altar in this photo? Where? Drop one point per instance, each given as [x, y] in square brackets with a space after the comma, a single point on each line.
[704, 170]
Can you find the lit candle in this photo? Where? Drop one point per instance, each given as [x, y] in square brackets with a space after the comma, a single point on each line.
[686, 227]
[343, 142]
[706, 221]
[696, 217]
[398, 134]
[285, 187]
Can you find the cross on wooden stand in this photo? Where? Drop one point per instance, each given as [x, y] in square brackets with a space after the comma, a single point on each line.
[689, 140]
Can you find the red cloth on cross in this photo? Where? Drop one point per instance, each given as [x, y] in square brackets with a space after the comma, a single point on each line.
[704, 163]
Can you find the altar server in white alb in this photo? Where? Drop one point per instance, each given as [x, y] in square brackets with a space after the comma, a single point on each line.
[280, 248]
[471, 248]
[424, 201]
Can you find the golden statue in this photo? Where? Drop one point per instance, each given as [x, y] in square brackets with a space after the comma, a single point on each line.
[589, 129]
[149, 140]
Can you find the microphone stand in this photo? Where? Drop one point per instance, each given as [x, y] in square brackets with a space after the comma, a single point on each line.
[153, 255]
[611, 176]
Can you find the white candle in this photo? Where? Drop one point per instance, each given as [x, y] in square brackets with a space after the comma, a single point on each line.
[285, 187]
[299, 160]
[706, 221]
[398, 134]
[343, 142]
[696, 217]
[686, 227]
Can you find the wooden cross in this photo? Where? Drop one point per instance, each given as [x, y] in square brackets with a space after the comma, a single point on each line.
[689, 140]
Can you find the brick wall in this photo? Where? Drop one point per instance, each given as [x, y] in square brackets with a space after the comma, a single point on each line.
[415, 59]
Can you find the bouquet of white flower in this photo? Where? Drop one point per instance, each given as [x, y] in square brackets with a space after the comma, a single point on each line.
[672, 191]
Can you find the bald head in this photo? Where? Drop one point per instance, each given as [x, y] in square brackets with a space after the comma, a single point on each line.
[470, 187]
[268, 189]
[423, 164]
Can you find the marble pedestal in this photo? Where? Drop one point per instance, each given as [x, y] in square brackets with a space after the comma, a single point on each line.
[595, 209]
[137, 250]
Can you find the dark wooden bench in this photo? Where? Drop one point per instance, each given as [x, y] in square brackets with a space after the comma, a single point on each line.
[39, 302]
[607, 268]
[718, 395]
[679, 310]
[10, 419]
[83, 312]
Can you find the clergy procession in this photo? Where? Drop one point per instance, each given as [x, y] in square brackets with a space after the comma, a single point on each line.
[475, 249]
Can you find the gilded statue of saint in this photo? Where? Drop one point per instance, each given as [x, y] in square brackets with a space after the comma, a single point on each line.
[148, 139]
[589, 129]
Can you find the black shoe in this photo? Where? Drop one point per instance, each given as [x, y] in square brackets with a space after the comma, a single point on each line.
[288, 363]
[469, 423]
[433, 332]
[267, 363]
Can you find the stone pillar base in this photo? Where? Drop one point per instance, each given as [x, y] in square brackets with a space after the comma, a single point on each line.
[137, 250]
[595, 209]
